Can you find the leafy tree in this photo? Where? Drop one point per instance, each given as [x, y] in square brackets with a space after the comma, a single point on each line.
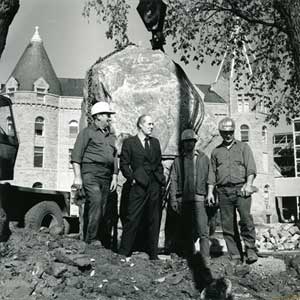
[8, 10]
[268, 30]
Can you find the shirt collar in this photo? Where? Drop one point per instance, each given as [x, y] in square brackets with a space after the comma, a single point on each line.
[105, 132]
[233, 143]
[143, 137]
[195, 154]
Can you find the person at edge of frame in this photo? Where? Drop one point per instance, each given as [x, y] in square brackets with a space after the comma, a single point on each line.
[140, 163]
[232, 171]
[95, 165]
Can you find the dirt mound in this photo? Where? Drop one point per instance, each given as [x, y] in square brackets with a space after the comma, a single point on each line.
[44, 266]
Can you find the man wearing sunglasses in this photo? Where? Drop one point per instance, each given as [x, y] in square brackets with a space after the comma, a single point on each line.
[232, 172]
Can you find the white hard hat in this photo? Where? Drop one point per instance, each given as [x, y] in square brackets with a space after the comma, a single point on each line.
[101, 108]
[226, 124]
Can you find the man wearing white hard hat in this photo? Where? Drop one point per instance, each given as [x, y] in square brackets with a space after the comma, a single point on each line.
[95, 165]
[188, 191]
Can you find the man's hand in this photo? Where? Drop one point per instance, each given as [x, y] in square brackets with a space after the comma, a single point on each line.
[77, 183]
[176, 206]
[114, 183]
[248, 190]
[211, 201]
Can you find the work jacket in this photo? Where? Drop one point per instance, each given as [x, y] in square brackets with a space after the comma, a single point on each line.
[201, 168]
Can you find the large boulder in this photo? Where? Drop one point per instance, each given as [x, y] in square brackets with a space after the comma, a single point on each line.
[139, 81]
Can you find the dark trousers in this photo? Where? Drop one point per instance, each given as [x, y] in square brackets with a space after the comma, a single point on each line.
[186, 222]
[201, 226]
[231, 201]
[194, 222]
[144, 206]
[96, 192]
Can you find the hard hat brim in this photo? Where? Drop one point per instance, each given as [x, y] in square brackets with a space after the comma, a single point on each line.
[104, 112]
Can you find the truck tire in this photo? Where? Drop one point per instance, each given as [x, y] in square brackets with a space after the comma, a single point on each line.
[44, 214]
[67, 226]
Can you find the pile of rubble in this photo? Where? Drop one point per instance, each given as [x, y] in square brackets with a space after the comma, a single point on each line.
[279, 237]
[48, 265]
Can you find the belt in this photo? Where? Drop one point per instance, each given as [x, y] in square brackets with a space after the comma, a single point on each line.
[229, 184]
[102, 164]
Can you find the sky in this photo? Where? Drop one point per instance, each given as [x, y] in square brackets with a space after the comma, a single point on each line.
[73, 43]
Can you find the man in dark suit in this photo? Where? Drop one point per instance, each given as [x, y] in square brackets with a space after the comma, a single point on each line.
[140, 163]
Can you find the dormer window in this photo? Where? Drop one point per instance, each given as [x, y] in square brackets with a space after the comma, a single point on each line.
[41, 87]
[11, 86]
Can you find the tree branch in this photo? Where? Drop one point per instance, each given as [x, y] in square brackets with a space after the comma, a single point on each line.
[239, 13]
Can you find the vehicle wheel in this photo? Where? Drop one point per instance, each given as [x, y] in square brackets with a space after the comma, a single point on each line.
[44, 214]
[67, 226]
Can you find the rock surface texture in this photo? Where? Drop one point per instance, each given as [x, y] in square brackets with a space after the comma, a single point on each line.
[139, 81]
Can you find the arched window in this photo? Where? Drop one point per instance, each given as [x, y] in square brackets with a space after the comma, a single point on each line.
[264, 133]
[244, 133]
[9, 125]
[73, 128]
[39, 126]
[37, 185]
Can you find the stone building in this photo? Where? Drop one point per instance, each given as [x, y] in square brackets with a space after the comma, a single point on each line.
[48, 109]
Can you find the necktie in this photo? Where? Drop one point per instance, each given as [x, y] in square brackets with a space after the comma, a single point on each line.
[147, 147]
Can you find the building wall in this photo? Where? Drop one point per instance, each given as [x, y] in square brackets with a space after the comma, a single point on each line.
[70, 109]
[57, 113]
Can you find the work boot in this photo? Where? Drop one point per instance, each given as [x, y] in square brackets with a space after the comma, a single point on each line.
[236, 262]
[95, 244]
[251, 256]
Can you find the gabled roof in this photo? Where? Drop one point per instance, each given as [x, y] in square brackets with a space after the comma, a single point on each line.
[210, 96]
[34, 64]
[71, 87]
